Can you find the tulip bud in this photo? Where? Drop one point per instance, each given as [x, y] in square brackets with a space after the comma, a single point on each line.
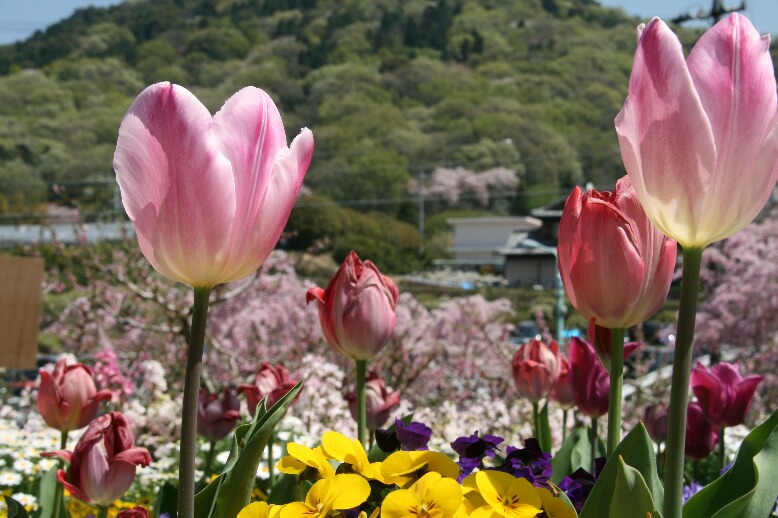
[655, 417]
[102, 466]
[701, 435]
[723, 394]
[536, 367]
[67, 397]
[562, 392]
[136, 512]
[591, 382]
[357, 308]
[379, 402]
[216, 417]
[271, 383]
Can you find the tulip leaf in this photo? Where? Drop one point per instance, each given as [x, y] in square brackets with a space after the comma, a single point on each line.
[231, 491]
[47, 492]
[284, 490]
[631, 496]
[637, 450]
[576, 452]
[749, 488]
[167, 500]
[544, 429]
[15, 509]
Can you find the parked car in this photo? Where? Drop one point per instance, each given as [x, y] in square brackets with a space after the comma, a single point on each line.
[524, 332]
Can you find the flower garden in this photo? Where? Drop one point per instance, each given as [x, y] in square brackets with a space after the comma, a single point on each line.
[217, 382]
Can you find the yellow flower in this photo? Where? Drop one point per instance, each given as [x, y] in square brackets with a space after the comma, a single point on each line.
[338, 447]
[330, 494]
[405, 467]
[506, 495]
[555, 507]
[260, 510]
[312, 463]
[431, 496]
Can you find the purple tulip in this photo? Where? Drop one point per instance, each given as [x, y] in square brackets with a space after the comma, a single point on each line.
[217, 416]
[724, 395]
[701, 435]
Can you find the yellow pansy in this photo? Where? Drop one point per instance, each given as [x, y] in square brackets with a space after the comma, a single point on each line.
[471, 500]
[405, 467]
[506, 495]
[301, 459]
[555, 507]
[339, 492]
[338, 447]
[431, 495]
[260, 510]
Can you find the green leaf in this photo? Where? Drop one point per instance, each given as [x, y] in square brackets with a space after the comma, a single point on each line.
[631, 496]
[748, 488]
[637, 451]
[544, 429]
[15, 509]
[284, 490]
[231, 491]
[167, 500]
[47, 492]
[576, 452]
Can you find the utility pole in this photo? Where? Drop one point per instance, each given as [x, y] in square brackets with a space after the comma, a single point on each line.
[422, 178]
[717, 12]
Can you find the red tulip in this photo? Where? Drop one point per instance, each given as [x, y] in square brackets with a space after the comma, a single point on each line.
[271, 383]
[102, 466]
[216, 417]
[701, 434]
[699, 136]
[602, 340]
[591, 382]
[562, 392]
[379, 402]
[208, 196]
[536, 367]
[136, 512]
[615, 265]
[655, 418]
[356, 309]
[67, 397]
[723, 394]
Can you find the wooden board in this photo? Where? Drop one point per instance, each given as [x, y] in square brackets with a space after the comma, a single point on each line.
[20, 310]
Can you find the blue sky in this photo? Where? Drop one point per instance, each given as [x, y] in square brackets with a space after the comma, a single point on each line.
[20, 18]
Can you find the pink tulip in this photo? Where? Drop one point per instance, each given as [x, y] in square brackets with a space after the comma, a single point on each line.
[724, 395]
[379, 402]
[591, 382]
[615, 265]
[536, 368]
[136, 512]
[655, 417]
[271, 383]
[217, 416]
[209, 196]
[102, 467]
[701, 434]
[562, 393]
[67, 397]
[356, 309]
[698, 137]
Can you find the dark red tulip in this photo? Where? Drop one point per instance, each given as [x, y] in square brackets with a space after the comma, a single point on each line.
[591, 382]
[655, 418]
[602, 340]
[271, 383]
[217, 416]
[102, 466]
[136, 512]
[723, 394]
[701, 435]
[379, 402]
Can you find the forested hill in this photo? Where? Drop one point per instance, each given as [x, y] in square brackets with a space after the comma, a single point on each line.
[390, 88]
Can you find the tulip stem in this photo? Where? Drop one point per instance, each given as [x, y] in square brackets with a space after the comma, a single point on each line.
[103, 512]
[209, 462]
[59, 491]
[194, 367]
[564, 424]
[271, 474]
[617, 380]
[722, 449]
[361, 401]
[593, 442]
[536, 420]
[679, 390]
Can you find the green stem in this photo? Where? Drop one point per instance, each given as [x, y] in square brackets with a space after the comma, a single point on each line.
[361, 401]
[536, 419]
[564, 424]
[679, 390]
[59, 491]
[103, 512]
[617, 380]
[194, 367]
[593, 442]
[208, 462]
[722, 449]
[270, 468]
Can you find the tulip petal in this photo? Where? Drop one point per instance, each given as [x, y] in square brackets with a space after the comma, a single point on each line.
[666, 140]
[176, 185]
[733, 75]
[49, 400]
[73, 490]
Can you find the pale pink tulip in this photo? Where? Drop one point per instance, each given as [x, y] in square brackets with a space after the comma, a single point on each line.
[271, 383]
[356, 309]
[536, 368]
[209, 196]
[615, 265]
[698, 137]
